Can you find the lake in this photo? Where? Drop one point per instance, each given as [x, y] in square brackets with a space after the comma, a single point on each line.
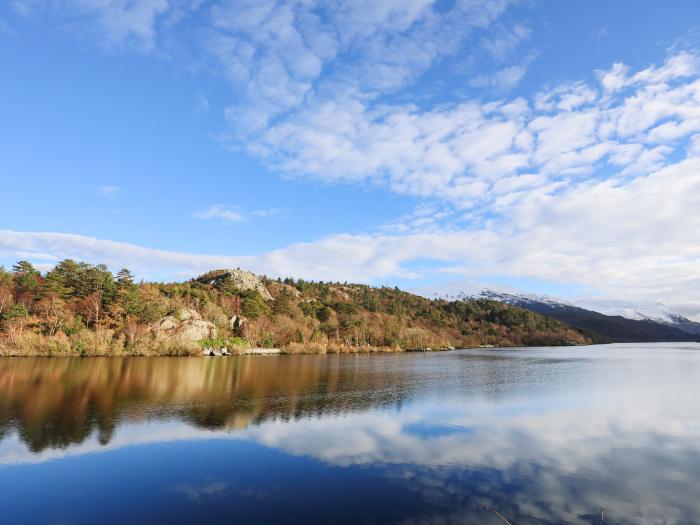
[541, 435]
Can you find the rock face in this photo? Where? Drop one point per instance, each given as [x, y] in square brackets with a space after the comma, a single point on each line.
[236, 322]
[188, 325]
[241, 279]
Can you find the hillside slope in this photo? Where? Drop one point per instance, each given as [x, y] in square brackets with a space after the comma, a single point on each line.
[77, 308]
[640, 323]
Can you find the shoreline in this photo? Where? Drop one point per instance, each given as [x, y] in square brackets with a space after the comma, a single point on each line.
[255, 351]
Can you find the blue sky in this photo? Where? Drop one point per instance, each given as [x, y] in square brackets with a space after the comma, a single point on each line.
[551, 146]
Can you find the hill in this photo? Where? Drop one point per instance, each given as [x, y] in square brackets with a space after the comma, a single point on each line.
[618, 322]
[82, 309]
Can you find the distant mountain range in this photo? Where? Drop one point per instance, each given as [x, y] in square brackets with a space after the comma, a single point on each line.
[603, 320]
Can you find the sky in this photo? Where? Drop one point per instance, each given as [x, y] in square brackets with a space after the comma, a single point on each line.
[550, 146]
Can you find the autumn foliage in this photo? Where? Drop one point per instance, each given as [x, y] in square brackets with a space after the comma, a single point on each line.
[82, 309]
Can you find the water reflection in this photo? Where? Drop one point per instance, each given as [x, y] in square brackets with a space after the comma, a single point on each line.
[543, 435]
[58, 402]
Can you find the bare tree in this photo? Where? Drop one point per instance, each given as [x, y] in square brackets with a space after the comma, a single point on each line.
[15, 329]
[5, 297]
[52, 310]
[91, 307]
[134, 330]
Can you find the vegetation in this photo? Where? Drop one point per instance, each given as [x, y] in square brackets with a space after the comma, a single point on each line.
[82, 309]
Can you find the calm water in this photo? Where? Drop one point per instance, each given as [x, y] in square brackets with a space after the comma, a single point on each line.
[545, 435]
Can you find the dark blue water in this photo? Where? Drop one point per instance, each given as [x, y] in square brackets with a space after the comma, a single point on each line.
[543, 436]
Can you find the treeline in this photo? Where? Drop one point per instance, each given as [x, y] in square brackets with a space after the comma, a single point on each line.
[83, 309]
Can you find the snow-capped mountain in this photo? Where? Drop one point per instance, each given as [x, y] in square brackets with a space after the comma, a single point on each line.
[611, 320]
[460, 290]
[657, 312]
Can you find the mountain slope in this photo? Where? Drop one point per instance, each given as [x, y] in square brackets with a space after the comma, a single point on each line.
[628, 323]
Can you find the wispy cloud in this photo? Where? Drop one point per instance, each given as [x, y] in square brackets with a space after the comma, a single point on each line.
[600, 32]
[504, 79]
[199, 493]
[201, 103]
[6, 28]
[286, 54]
[113, 23]
[233, 214]
[505, 41]
[109, 192]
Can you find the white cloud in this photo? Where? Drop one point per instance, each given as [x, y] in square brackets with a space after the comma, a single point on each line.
[568, 134]
[586, 182]
[232, 214]
[636, 240]
[506, 41]
[223, 213]
[280, 56]
[114, 23]
[502, 80]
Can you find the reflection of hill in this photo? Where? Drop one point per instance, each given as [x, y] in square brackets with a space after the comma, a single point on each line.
[53, 403]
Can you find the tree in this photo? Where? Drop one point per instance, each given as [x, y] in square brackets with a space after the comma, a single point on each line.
[99, 279]
[24, 268]
[64, 279]
[91, 308]
[26, 280]
[124, 278]
[52, 310]
[324, 313]
[16, 311]
[5, 298]
[253, 305]
[133, 329]
[70, 279]
[284, 303]
[368, 301]
[5, 277]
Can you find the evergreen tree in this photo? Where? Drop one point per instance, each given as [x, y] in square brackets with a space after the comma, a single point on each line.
[324, 314]
[125, 278]
[253, 305]
[26, 280]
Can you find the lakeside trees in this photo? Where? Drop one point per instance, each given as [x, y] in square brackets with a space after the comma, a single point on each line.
[80, 308]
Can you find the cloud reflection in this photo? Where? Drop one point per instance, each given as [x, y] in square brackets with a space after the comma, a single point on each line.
[541, 436]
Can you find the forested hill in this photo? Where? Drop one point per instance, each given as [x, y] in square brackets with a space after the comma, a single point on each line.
[83, 309]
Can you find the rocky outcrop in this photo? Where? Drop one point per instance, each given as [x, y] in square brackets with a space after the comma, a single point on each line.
[187, 325]
[236, 323]
[241, 279]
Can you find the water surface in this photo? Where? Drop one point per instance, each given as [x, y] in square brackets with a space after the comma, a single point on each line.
[543, 435]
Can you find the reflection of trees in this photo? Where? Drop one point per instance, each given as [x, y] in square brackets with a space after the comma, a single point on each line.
[53, 403]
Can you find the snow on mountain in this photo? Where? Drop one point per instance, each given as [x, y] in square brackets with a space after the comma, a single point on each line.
[638, 311]
[612, 320]
[642, 311]
[458, 290]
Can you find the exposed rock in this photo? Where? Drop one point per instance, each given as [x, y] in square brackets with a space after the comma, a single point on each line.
[339, 293]
[187, 325]
[260, 351]
[278, 288]
[241, 279]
